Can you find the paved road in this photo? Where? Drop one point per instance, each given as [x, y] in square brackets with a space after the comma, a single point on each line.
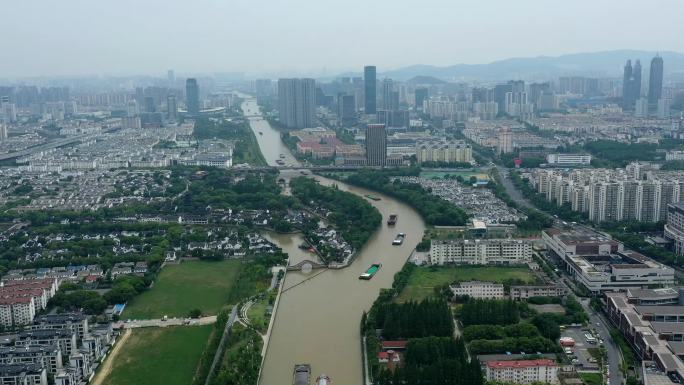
[597, 322]
[512, 191]
[161, 323]
[614, 357]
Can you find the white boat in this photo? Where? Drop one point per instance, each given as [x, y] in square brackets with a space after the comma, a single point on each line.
[323, 380]
[399, 239]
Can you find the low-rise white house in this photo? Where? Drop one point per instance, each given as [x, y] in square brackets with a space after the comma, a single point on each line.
[478, 289]
[523, 371]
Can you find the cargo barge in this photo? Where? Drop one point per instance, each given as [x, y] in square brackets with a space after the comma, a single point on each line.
[371, 271]
[301, 374]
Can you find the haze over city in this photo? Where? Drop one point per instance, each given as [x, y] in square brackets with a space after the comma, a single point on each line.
[318, 192]
[78, 37]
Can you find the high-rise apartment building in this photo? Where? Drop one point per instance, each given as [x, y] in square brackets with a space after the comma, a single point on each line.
[505, 141]
[297, 102]
[641, 108]
[346, 106]
[9, 112]
[388, 97]
[171, 78]
[370, 84]
[192, 101]
[655, 80]
[150, 105]
[500, 92]
[611, 195]
[171, 107]
[376, 145]
[3, 132]
[663, 108]
[263, 87]
[421, 95]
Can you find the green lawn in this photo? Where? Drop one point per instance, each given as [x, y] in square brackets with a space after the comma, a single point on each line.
[592, 378]
[181, 288]
[257, 314]
[160, 356]
[423, 280]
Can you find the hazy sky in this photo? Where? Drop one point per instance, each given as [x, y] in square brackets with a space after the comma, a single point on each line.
[84, 37]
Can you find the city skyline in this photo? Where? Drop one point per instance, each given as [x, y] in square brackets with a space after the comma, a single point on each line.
[146, 38]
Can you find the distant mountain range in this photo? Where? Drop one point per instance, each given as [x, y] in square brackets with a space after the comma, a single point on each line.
[600, 64]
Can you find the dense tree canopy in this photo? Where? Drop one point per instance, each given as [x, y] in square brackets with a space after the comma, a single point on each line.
[354, 217]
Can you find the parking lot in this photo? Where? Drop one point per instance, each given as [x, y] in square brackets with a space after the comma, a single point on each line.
[580, 349]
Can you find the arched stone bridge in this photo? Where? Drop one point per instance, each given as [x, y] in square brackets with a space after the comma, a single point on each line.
[298, 266]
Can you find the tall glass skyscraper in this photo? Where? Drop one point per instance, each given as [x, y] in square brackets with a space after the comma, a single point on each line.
[655, 80]
[631, 85]
[192, 97]
[369, 79]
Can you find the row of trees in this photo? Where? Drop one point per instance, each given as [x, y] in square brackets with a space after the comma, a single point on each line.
[434, 361]
[242, 360]
[497, 332]
[489, 311]
[354, 217]
[415, 319]
[434, 210]
[513, 344]
[72, 298]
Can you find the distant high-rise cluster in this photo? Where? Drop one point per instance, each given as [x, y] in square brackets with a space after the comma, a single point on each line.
[632, 97]
[297, 102]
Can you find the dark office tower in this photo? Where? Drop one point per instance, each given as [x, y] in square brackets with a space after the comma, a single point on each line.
[369, 95]
[192, 97]
[346, 107]
[263, 87]
[171, 107]
[655, 80]
[387, 89]
[149, 104]
[140, 95]
[627, 100]
[320, 97]
[500, 92]
[376, 145]
[481, 95]
[636, 74]
[517, 86]
[537, 89]
[421, 96]
[297, 102]
[171, 78]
